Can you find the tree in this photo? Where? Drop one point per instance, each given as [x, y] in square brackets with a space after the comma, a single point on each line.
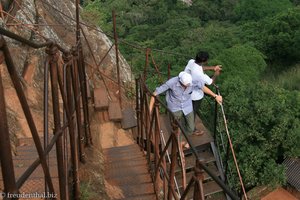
[281, 37]
[241, 61]
[257, 10]
[264, 127]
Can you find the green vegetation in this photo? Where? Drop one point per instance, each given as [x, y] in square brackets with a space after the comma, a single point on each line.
[258, 44]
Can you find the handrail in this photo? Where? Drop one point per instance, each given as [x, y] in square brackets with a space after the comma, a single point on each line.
[14, 36]
[57, 87]
[147, 94]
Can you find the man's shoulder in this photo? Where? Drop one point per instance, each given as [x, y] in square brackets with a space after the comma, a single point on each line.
[173, 80]
[189, 65]
[198, 83]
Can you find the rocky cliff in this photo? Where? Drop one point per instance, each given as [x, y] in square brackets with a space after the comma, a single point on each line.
[55, 20]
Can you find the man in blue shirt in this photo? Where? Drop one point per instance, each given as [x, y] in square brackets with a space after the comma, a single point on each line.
[178, 96]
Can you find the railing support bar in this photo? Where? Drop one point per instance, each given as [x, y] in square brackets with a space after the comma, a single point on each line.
[117, 57]
[5, 153]
[52, 51]
[16, 82]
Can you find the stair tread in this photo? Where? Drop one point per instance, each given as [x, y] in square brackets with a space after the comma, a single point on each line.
[189, 175]
[114, 111]
[131, 147]
[129, 119]
[142, 197]
[127, 169]
[131, 180]
[101, 101]
[137, 189]
[209, 188]
[190, 161]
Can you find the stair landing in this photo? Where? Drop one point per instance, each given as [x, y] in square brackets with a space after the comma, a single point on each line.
[196, 141]
[126, 171]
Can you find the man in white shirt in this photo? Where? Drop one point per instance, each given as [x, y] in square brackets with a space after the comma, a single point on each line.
[195, 67]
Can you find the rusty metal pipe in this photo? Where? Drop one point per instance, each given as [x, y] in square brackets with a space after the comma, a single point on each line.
[57, 122]
[68, 102]
[82, 78]
[75, 86]
[156, 138]
[34, 45]
[189, 186]
[199, 177]
[7, 166]
[23, 40]
[46, 113]
[173, 160]
[137, 108]
[16, 82]
[83, 86]
[73, 143]
[117, 56]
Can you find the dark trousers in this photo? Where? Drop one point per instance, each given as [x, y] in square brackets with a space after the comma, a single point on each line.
[196, 108]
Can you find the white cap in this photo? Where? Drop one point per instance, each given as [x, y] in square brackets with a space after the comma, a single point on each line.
[185, 78]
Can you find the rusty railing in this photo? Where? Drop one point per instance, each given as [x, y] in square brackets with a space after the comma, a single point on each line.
[149, 127]
[67, 83]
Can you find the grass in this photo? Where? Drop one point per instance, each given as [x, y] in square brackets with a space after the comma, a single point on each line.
[86, 190]
[289, 80]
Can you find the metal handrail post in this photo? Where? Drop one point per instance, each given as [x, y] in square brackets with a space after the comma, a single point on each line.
[76, 90]
[199, 176]
[52, 52]
[7, 166]
[175, 132]
[117, 56]
[73, 142]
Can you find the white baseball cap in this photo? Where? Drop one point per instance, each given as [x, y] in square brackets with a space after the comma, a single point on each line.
[185, 78]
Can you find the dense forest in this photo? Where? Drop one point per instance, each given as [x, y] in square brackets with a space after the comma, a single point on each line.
[258, 44]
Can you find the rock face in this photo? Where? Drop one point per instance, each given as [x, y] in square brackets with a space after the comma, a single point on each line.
[55, 20]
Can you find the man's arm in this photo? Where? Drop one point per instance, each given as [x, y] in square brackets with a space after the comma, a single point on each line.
[218, 98]
[161, 89]
[152, 100]
[214, 77]
[212, 68]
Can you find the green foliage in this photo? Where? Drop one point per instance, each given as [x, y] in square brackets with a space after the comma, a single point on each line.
[257, 10]
[241, 61]
[87, 191]
[278, 37]
[281, 37]
[264, 127]
[289, 79]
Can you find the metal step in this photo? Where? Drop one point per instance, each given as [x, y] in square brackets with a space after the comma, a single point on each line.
[190, 161]
[210, 188]
[190, 174]
[101, 101]
[114, 112]
[126, 168]
[129, 119]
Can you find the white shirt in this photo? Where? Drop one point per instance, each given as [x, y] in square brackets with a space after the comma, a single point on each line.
[197, 75]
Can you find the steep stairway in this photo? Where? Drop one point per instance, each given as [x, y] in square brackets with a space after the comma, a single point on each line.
[126, 169]
[206, 150]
